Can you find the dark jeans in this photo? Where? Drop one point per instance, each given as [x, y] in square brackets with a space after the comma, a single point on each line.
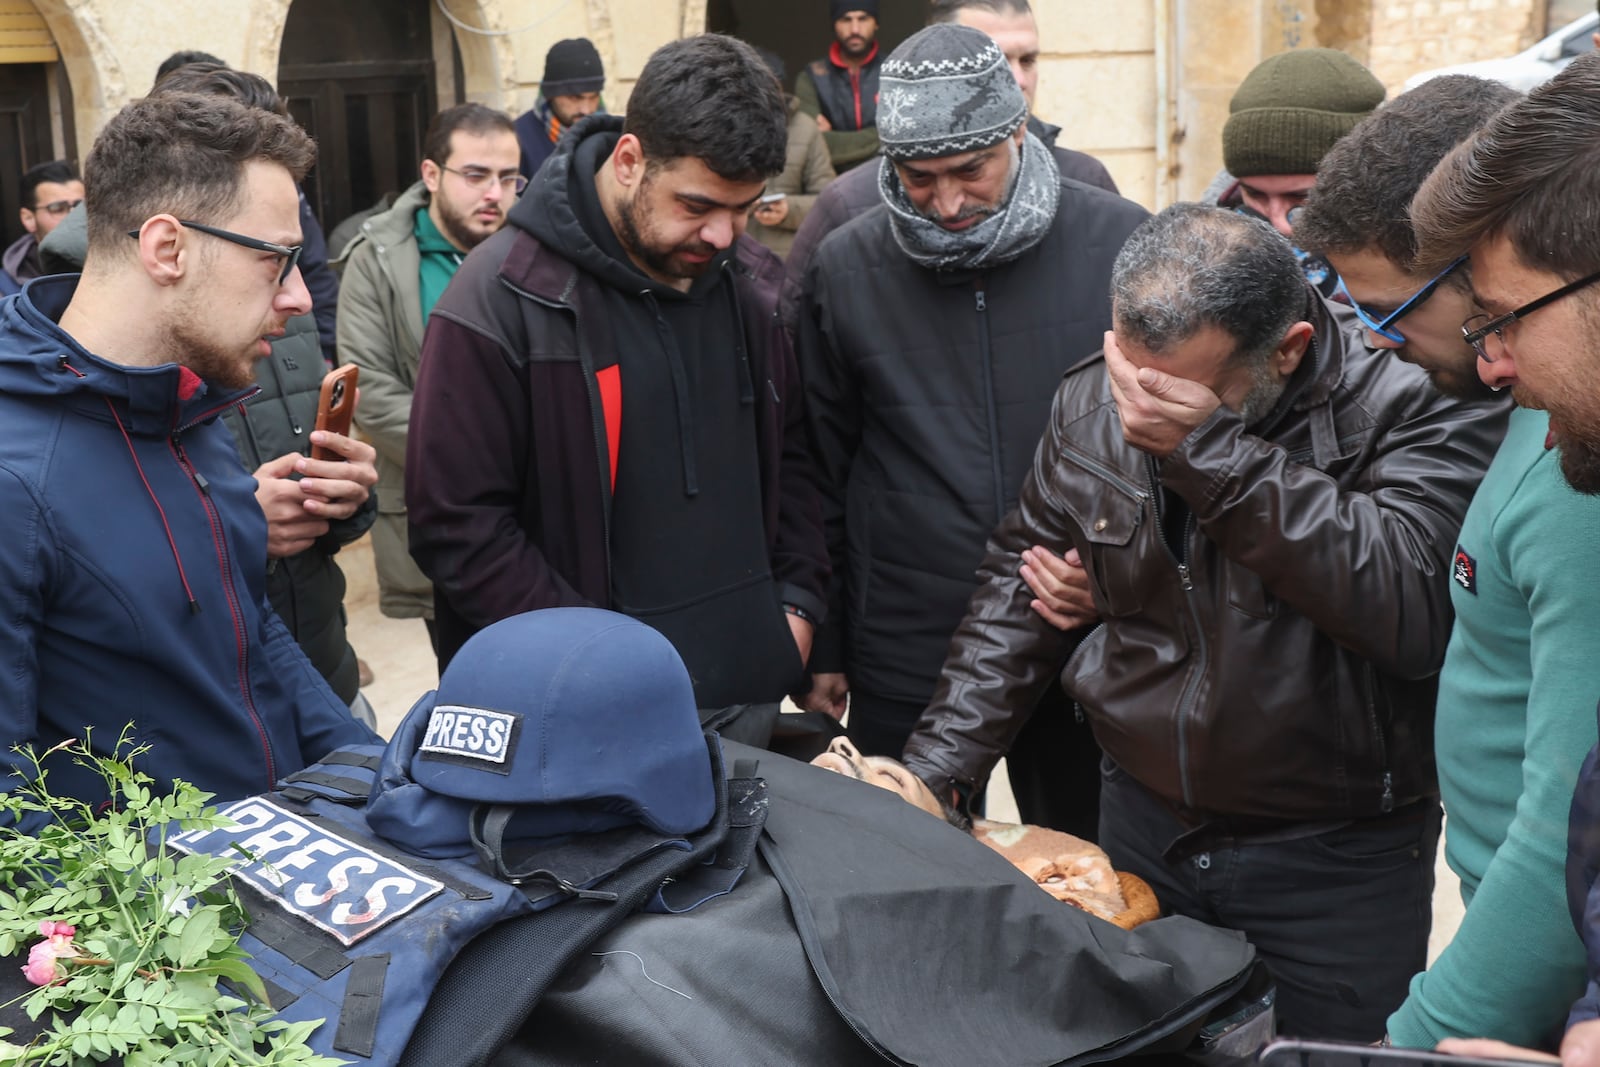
[1054, 765]
[1340, 918]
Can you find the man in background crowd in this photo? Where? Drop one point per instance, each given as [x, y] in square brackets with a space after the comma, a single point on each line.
[932, 332]
[1282, 120]
[395, 272]
[1011, 24]
[840, 90]
[568, 91]
[807, 171]
[48, 192]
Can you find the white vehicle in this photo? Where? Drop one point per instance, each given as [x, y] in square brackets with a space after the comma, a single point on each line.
[1532, 66]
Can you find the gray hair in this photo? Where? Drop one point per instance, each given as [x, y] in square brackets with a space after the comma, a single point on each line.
[950, 10]
[1194, 266]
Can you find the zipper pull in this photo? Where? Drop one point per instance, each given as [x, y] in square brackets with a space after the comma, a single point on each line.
[1387, 803]
[983, 304]
[200, 480]
[1183, 576]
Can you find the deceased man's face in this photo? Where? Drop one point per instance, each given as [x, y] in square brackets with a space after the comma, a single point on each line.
[880, 771]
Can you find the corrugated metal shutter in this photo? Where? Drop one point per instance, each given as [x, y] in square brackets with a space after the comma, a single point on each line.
[24, 37]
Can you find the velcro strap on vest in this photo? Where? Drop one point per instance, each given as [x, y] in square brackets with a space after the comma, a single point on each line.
[302, 947]
[363, 1001]
[355, 789]
[344, 758]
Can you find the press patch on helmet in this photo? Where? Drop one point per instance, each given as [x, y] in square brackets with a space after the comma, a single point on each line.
[474, 737]
[336, 884]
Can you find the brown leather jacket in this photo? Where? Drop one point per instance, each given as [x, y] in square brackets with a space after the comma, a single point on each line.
[1282, 666]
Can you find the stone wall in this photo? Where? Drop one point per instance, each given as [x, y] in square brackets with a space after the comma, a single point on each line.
[1413, 35]
[1097, 78]
[1142, 84]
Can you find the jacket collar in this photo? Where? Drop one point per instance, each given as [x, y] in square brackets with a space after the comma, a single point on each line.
[546, 275]
[1333, 328]
[149, 401]
[396, 225]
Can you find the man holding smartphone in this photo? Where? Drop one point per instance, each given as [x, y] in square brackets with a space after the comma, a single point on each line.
[807, 170]
[314, 503]
[135, 579]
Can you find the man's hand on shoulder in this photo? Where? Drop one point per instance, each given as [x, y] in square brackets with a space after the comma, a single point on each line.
[1061, 584]
[1157, 409]
[290, 528]
[334, 489]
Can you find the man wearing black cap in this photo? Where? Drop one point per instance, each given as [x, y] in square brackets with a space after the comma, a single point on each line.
[841, 89]
[931, 332]
[569, 90]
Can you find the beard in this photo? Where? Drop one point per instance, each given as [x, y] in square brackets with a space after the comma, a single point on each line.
[637, 235]
[1580, 464]
[1265, 392]
[855, 47]
[1459, 384]
[984, 211]
[1577, 440]
[457, 225]
[196, 348]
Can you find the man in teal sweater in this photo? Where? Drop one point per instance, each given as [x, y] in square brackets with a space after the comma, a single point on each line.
[1517, 692]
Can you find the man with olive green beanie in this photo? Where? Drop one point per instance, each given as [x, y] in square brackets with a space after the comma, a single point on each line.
[1283, 118]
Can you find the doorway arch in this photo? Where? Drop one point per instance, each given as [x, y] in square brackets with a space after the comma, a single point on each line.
[44, 58]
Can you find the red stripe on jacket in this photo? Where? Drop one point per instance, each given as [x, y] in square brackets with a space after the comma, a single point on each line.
[610, 381]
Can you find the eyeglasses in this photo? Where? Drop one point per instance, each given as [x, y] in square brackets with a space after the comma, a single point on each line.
[290, 253]
[57, 207]
[1385, 327]
[1478, 329]
[479, 179]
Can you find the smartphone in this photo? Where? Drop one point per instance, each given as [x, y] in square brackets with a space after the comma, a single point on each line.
[1288, 1052]
[335, 405]
[772, 198]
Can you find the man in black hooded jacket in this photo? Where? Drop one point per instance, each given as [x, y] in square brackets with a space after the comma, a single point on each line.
[606, 409]
[933, 330]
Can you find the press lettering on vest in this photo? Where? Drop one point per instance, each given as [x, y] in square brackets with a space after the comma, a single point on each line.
[339, 886]
[1465, 571]
[475, 737]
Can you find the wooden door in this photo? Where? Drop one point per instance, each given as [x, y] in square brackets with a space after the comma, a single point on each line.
[25, 136]
[359, 76]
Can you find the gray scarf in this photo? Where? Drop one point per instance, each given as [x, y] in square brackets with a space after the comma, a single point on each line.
[1021, 223]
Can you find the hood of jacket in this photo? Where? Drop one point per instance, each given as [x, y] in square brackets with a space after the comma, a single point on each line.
[43, 360]
[550, 208]
[388, 228]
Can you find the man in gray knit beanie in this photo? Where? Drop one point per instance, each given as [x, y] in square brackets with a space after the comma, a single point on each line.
[948, 107]
[932, 332]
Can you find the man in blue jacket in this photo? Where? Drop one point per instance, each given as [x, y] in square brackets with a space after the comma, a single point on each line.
[132, 576]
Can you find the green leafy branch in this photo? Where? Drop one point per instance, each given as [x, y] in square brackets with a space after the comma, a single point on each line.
[136, 934]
